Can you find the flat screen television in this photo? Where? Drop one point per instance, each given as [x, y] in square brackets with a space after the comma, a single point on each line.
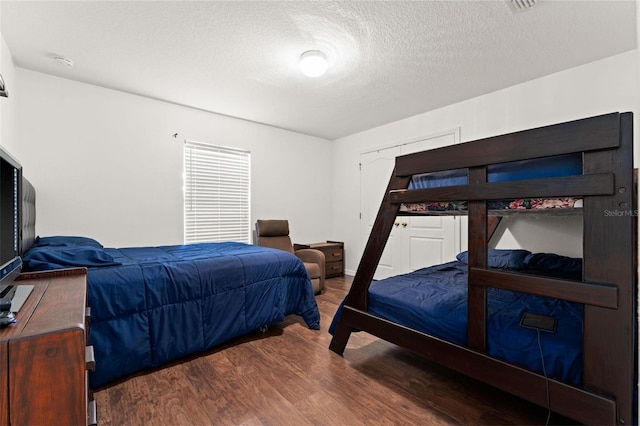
[10, 223]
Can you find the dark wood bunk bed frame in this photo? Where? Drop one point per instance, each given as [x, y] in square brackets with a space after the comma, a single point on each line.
[608, 287]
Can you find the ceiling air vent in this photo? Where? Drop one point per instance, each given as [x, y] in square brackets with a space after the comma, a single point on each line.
[521, 5]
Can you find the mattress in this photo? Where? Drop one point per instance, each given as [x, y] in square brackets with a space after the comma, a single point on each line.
[556, 166]
[433, 300]
[152, 305]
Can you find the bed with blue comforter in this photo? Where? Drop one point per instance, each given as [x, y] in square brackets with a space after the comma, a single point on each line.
[152, 305]
[433, 300]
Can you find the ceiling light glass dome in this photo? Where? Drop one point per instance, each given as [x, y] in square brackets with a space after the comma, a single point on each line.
[313, 63]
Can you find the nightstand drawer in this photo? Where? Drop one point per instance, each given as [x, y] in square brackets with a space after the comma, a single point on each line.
[333, 269]
[333, 256]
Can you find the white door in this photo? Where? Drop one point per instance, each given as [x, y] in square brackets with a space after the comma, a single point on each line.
[415, 241]
[375, 172]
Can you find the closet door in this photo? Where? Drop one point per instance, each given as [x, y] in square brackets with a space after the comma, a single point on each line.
[415, 242]
[429, 240]
[375, 171]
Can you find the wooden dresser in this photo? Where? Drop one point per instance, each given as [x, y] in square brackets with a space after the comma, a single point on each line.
[45, 357]
[333, 256]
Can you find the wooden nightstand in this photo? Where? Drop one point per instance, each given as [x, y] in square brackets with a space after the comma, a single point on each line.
[333, 255]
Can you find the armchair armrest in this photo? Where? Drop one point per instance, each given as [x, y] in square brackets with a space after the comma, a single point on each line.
[311, 256]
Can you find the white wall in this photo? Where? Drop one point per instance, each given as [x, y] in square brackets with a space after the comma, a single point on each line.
[596, 88]
[105, 164]
[7, 105]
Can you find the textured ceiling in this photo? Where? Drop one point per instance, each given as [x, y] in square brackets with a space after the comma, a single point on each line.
[388, 60]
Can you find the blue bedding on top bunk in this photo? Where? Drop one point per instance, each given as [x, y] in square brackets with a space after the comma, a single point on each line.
[152, 305]
[434, 300]
[556, 166]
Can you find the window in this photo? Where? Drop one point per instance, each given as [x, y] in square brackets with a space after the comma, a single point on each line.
[216, 193]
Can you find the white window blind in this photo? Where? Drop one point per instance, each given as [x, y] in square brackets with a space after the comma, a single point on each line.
[216, 194]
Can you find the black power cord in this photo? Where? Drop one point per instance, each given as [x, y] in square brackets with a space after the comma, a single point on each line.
[539, 323]
[546, 380]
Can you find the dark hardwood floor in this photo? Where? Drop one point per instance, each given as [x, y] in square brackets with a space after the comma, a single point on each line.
[288, 376]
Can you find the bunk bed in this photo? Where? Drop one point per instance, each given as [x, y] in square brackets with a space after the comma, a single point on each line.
[600, 289]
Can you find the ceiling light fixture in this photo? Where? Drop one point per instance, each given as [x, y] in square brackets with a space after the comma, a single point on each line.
[313, 63]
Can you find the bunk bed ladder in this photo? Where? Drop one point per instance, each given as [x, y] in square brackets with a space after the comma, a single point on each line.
[382, 226]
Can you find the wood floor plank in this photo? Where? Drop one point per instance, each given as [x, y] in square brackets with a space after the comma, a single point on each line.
[218, 394]
[288, 376]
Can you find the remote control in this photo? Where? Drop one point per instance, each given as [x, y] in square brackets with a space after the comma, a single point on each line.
[6, 318]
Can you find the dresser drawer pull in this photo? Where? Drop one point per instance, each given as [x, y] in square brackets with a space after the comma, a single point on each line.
[92, 413]
[90, 359]
[336, 254]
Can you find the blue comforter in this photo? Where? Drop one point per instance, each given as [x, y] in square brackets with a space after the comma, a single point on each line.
[152, 305]
[434, 300]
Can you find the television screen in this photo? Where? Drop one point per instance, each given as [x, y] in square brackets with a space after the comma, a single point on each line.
[10, 179]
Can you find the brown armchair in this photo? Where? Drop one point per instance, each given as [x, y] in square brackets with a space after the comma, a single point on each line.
[275, 234]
